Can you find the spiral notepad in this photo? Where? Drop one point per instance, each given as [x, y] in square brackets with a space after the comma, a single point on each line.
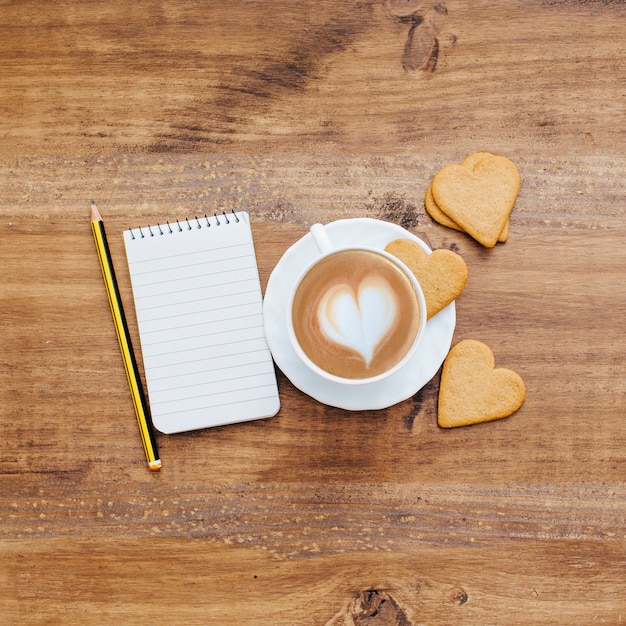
[199, 310]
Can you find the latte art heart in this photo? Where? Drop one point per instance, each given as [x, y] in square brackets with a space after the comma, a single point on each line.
[358, 320]
[355, 314]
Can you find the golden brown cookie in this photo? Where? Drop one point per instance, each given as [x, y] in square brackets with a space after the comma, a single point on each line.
[472, 390]
[479, 200]
[435, 212]
[440, 217]
[470, 162]
[441, 274]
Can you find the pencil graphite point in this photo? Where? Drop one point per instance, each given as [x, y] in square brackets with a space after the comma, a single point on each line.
[95, 214]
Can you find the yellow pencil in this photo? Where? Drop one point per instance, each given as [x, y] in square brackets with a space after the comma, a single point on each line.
[128, 356]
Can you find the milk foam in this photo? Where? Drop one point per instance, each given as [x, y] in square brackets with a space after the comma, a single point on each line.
[358, 320]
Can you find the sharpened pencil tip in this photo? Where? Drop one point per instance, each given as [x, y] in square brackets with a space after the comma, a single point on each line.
[95, 214]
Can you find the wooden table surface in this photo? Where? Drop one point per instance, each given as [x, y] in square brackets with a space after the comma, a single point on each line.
[301, 112]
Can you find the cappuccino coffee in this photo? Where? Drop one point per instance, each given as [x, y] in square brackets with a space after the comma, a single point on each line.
[355, 314]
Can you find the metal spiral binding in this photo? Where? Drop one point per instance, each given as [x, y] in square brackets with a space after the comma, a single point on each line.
[199, 224]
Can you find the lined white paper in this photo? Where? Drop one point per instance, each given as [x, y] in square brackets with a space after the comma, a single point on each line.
[199, 310]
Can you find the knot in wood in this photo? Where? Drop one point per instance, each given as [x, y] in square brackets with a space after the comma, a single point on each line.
[377, 608]
[460, 597]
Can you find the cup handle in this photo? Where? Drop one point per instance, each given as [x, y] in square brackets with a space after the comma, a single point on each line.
[321, 239]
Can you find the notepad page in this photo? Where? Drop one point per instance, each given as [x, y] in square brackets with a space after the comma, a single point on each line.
[199, 310]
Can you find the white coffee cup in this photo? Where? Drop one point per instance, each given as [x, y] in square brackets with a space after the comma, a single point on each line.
[361, 327]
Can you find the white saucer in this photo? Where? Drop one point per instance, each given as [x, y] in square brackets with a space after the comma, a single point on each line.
[379, 395]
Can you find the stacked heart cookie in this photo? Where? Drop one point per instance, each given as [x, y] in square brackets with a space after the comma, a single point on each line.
[475, 197]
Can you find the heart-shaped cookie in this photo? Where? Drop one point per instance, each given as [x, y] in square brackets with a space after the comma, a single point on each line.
[471, 161]
[360, 320]
[439, 216]
[478, 200]
[472, 390]
[441, 274]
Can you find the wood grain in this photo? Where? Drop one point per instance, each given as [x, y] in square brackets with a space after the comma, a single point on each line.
[305, 112]
[349, 76]
[200, 582]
